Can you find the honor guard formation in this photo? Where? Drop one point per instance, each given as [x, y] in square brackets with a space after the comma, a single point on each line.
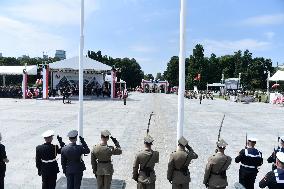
[178, 174]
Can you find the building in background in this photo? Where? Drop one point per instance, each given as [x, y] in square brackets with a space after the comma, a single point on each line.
[61, 54]
[1, 55]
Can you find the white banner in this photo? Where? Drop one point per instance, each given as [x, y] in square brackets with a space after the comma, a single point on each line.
[63, 79]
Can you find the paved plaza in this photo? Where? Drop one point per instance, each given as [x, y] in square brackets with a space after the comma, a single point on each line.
[23, 121]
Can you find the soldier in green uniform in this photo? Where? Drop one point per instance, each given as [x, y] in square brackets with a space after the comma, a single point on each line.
[144, 163]
[178, 173]
[101, 160]
[215, 173]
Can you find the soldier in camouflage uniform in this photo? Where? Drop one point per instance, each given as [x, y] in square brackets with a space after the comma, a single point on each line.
[144, 163]
[178, 173]
[215, 173]
[101, 160]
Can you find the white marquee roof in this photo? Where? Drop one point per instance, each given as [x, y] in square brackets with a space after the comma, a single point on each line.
[73, 64]
[17, 70]
[278, 76]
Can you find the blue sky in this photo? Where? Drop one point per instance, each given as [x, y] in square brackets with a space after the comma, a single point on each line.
[147, 30]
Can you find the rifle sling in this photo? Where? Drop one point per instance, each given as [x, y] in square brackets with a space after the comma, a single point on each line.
[147, 161]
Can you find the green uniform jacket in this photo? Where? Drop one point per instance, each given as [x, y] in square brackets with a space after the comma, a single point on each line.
[101, 159]
[178, 166]
[215, 171]
[151, 158]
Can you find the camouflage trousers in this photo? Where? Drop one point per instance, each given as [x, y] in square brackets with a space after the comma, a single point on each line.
[104, 181]
[145, 186]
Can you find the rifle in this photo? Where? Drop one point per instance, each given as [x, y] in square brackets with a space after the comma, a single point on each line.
[220, 128]
[219, 132]
[149, 122]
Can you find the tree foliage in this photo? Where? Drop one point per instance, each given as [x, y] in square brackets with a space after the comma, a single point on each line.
[131, 71]
[253, 70]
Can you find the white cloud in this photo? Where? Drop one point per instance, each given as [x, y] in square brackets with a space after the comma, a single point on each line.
[52, 12]
[269, 35]
[21, 38]
[228, 47]
[274, 19]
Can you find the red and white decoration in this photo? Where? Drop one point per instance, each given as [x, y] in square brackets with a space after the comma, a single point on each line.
[156, 85]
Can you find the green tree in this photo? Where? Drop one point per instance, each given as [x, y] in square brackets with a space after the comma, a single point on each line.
[198, 64]
[148, 77]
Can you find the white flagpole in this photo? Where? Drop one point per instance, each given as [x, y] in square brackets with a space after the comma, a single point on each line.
[81, 68]
[181, 88]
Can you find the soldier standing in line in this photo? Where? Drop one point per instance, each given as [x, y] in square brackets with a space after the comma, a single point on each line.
[200, 97]
[46, 161]
[144, 163]
[250, 159]
[215, 172]
[178, 173]
[101, 160]
[71, 160]
[272, 158]
[3, 161]
[275, 179]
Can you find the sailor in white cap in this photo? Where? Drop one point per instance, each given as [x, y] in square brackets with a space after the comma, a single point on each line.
[215, 171]
[178, 173]
[280, 148]
[250, 159]
[3, 161]
[72, 164]
[101, 160]
[275, 179]
[46, 161]
[144, 163]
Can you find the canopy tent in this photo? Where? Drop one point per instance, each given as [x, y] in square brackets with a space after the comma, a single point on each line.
[216, 85]
[109, 79]
[17, 70]
[278, 76]
[72, 64]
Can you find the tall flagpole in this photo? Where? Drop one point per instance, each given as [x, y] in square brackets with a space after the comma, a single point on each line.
[181, 87]
[81, 68]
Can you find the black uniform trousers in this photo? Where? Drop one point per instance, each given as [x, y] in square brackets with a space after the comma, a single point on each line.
[2, 181]
[74, 180]
[49, 181]
[247, 179]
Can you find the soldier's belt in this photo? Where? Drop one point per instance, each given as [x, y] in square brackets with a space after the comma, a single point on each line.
[249, 166]
[49, 161]
[104, 161]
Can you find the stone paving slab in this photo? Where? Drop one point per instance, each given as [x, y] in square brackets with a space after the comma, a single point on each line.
[90, 183]
[23, 121]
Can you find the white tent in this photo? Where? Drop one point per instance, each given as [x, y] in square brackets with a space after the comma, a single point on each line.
[278, 76]
[17, 70]
[108, 79]
[73, 64]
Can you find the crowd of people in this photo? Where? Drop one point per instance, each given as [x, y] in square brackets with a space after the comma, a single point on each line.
[10, 92]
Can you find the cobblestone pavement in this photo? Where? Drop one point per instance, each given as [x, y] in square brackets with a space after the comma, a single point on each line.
[23, 121]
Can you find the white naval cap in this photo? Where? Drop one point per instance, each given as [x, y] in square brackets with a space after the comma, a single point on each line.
[47, 133]
[253, 139]
[280, 156]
